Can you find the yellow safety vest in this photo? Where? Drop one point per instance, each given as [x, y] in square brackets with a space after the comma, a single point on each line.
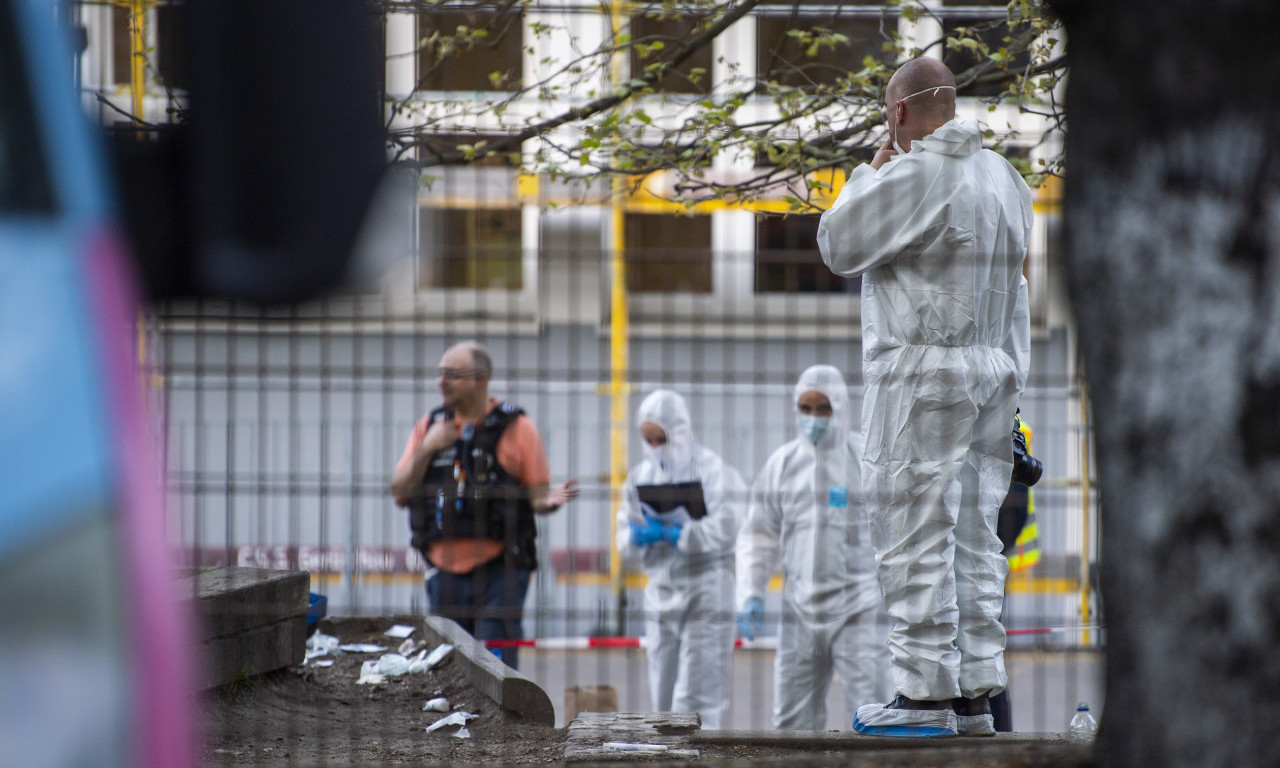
[1027, 546]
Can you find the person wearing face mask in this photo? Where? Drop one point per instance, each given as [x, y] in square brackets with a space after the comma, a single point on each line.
[806, 514]
[679, 516]
[938, 228]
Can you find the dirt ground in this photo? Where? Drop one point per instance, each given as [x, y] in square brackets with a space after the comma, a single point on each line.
[303, 716]
[314, 716]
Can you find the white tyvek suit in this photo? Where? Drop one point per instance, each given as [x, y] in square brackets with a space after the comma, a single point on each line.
[939, 236]
[688, 601]
[807, 503]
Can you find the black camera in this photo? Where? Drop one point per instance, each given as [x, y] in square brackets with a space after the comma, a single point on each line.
[1027, 469]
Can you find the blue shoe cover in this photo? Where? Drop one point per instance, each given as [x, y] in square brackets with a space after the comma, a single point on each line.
[880, 720]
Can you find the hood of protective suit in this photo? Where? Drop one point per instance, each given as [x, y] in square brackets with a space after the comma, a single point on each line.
[956, 138]
[830, 382]
[676, 458]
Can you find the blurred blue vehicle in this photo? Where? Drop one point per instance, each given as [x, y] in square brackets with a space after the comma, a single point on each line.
[95, 648]
[92, 644]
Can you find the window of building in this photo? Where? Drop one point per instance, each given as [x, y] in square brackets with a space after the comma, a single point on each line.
[693, 75]
[162, 44]
[992, 30]
[470, 222]
[668, 253]
[478, 248]
[121, 46]
[490, 59]
[170, 67]
[788, 260]
[785, 40]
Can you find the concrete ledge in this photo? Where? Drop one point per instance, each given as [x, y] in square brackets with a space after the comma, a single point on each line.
[252, 620]
[679, 737]
[505, 686]
[851, 740]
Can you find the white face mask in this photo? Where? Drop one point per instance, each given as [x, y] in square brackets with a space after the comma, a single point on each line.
[671, 459]
[893, 133]
[812, 427]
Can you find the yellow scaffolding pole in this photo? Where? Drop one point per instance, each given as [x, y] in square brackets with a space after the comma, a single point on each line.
[619, 357]
[137, 53]
[137, 91]
[1084, 508]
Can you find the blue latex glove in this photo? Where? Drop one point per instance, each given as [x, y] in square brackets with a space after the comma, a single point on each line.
[671, 534]
[751, 618]
[645, 534]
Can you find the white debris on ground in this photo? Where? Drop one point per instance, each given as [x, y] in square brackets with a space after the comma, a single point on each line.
[400, 631]
[319, 644]
[438, 655]
[389, 665]
[362, 648]
[457, 718]
[630, 746]
[436, 705]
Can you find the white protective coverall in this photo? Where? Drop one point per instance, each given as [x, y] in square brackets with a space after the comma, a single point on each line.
[806, 506]
[688, 601]
[939, 235]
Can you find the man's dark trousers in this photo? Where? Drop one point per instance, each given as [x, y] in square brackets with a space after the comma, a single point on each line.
[488, 602]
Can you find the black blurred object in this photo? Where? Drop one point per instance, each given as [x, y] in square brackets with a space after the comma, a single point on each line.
[1027, 469]
[1012, 517]
[1009, 524]
[261, 192]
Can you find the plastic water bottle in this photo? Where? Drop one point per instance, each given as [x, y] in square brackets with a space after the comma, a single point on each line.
[1083, 726]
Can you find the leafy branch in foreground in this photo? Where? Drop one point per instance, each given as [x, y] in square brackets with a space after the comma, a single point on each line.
[728, 131]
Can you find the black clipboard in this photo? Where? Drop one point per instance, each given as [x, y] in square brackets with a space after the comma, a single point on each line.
[666, 498]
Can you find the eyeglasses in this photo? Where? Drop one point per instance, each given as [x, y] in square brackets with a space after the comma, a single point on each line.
[451, 374]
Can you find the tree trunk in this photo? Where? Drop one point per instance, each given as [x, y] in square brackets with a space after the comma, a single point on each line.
[1173, 260]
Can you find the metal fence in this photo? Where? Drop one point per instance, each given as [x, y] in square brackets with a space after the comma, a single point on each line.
[281, 426]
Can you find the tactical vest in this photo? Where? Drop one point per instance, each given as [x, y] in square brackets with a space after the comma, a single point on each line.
[466, 494]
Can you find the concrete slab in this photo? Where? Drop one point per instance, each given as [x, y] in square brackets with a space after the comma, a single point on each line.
[629, 736]
[252, 620]
[253, 651]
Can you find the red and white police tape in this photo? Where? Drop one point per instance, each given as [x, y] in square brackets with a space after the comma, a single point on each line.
[763, 644]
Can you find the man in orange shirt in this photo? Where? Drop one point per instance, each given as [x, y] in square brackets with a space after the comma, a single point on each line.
[473, 475]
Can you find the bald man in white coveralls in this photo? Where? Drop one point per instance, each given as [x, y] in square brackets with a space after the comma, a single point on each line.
[938, 228]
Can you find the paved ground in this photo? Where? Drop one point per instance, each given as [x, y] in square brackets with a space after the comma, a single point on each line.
[1044, 685]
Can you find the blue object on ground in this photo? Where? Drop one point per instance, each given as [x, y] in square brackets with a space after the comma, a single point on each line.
[319, 606]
